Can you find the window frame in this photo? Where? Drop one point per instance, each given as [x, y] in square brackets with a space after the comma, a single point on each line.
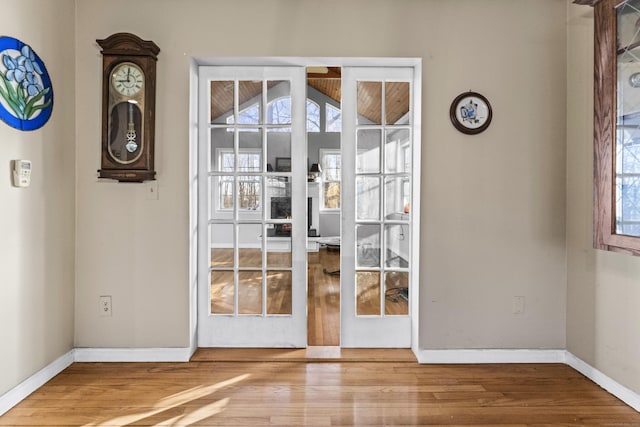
[605, 236]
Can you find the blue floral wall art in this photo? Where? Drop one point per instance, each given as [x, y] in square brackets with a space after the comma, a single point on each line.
[26, 93]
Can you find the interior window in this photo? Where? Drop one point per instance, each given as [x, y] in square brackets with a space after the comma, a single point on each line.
[334, 119]
[313, 116]
[331, 163]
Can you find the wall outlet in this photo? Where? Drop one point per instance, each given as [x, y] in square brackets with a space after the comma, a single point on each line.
[105, 305]
[518, 305]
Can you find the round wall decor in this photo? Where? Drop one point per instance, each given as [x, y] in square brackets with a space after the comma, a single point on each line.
[470, 113]
[26, 93]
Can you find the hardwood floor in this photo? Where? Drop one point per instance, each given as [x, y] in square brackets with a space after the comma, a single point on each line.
[323, 298]
[318, 394]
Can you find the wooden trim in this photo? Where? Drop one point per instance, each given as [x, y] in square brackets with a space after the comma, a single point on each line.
[604, 96]
[605, 101]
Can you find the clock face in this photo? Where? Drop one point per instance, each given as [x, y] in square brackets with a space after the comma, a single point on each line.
[127, 79]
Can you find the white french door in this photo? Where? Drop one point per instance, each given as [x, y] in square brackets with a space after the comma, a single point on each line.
[252, 212]
[378, 265]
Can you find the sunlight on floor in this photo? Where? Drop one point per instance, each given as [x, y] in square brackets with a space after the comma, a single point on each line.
[179, 399]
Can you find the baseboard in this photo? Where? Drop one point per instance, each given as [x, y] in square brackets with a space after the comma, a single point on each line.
[490, 356]
[133, 354]
[628, 396]
[34, 382]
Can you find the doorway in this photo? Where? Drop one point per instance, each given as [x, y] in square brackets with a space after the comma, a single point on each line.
[307, 240]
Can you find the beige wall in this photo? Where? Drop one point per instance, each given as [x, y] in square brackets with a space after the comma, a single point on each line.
[603, 288]
[37, 223]
[493, 209]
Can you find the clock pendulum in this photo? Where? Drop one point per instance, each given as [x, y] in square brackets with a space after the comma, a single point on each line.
[131, 145]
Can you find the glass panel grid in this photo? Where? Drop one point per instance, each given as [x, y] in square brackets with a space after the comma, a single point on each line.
[242, 258]
[383, 237]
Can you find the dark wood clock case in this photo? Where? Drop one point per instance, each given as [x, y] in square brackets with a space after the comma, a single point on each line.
[116, 49]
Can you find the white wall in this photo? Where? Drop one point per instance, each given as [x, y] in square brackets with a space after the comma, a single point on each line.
[603, 287]
[493, 210]
[37, 223]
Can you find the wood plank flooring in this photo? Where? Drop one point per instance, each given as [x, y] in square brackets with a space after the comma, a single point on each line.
[323, 298]
[318, 394]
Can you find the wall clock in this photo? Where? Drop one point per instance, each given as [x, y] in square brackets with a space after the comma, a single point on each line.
[128, 107]
[470, 113]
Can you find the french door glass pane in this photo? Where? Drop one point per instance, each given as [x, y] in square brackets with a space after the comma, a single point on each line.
[222, 159]
[396, 237]
[222, 94]
[249, 292]
[249, 245]
[394, 197]
[369, 103]
[397, 151]
[368, 293]
[279, 252]
[222, 195]
[279, 285]
[396, 102]
[368, 154]
[222, 292]
[250, 102]
[278, 147]
[249, 192]
[222, 245]
[249, 150]
[396, 285]
[279, 106]
[367, 198]
[368, 244]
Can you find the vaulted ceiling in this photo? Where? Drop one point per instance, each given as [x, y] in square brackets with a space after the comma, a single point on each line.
[327, 82]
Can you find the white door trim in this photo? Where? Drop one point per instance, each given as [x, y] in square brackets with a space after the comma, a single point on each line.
[196, 253]
[260, 330]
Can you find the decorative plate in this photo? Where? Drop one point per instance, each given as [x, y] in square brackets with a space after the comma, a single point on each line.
[470, 113]
[26, 94]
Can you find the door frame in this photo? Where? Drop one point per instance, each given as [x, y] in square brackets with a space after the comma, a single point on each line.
[195, 258]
